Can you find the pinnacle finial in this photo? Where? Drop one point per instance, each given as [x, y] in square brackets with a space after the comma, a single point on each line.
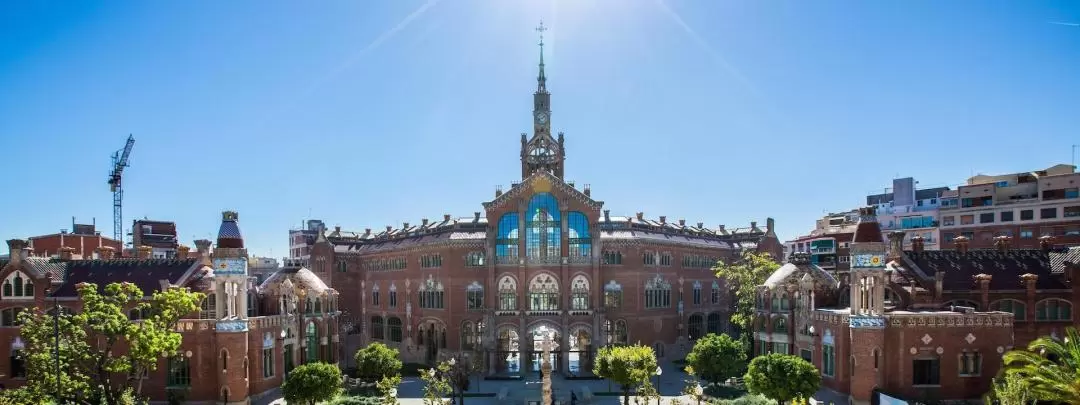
[541, 79]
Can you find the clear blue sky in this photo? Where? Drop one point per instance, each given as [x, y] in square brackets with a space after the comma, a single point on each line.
[366, 113]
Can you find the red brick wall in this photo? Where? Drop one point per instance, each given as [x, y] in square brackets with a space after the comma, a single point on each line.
[84, 245]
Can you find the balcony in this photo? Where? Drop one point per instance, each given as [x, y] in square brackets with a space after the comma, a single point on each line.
[824, 250]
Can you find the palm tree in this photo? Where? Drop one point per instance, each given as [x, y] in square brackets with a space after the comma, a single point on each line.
[1050, 368]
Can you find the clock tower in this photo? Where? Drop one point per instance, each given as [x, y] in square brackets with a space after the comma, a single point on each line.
[542, 152]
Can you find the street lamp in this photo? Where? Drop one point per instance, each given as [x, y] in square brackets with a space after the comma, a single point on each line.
[56, 339]
[697, 392]
[454, 383]
[658, 372]
[393, 395]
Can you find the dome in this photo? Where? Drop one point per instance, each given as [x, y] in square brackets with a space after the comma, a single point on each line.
[295, 279]
[792, 273]
[229, 233]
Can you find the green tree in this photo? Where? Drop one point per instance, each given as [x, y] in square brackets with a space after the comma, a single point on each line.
[782, 377]
[377, 361]
[1009, 388]
[311, 383]
[92, 368]
[628, 366]
[437, 384]
[388, 388]
[1049, 368]
[743, 276]
[716, 358]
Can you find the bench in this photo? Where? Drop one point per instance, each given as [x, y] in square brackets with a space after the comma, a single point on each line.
[586, 395]
[503, 392]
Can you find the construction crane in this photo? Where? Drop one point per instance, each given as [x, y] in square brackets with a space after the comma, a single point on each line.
[120, 161]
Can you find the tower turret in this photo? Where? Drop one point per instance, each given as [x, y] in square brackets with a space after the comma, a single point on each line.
[542, 152]
[867, 317]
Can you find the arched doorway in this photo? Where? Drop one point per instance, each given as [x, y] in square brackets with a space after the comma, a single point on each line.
[538, 335]
[508, 352]
[580, 358]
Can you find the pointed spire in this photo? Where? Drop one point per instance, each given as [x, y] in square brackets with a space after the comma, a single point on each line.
[541, 80]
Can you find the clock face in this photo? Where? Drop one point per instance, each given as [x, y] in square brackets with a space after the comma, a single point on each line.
[541, 117]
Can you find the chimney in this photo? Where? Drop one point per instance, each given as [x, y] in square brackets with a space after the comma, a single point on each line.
[498, 191]
[424, 222]
[939, 285]
[367, 231]
[770, 225]
[896, 245]
[404, 225]
[917, 244]
[961, 244]
[640, 216]
[1002, 243]
[105, 252]
[446, 217]
[607, 215]
[144, 252]
[588, 191]
[389, 228]
[182, 252]
[663, 219]
[682, 222]
[700, 224]
[1046, 242]
[753, 224]
[722, 228]
[15, 250]
[337, 229]
[572, 184]
[983, 283]
[1029, 281]
[67, 253]
[476, 216]
[202, 246]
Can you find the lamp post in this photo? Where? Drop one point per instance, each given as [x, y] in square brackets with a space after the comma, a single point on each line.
[658, 372]
[454, 383]
[56, 342]
[697, 392]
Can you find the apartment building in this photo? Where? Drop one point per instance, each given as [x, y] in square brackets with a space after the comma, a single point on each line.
[915, 212]
[1023, 206]
[827, 245]
[301, 240]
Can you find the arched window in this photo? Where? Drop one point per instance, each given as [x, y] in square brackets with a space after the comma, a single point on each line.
[543, 293]
[615, 332]
[318, 305]
[208, 308]
[308, 305]
[312, 343]
[543, 236]
[1053, 309]
[612, 294]
[714, 323]
[474, 259]
[430, 294]
[474, 295]
[10, 316]
[224, 360]
[139, 313]
[468, 336]
[785, 302]
[697, 293]
[375, 295]
[506, 245]
[963, 303]
[657, 293]
[780, 325]
[1017, 308]
[579, 293]
[179, 371]
[578, 238]
[17, 285]
[696, 326]
[775, 301]
[845, 298]
[394, 324]
[507, 294]
[715, 293]
[377, 331]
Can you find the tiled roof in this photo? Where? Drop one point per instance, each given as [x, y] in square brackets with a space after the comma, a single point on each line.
[793, 273]
[1006, 268]
[298, 278]
[39, 267]
[633, 234]
[413, 241]
[229, 230]
[1059, 257]
[144, 273]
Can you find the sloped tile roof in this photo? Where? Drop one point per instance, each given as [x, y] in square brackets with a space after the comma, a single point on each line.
[1006, 268]
[1059, 257]
[40, 267]
[144, 273]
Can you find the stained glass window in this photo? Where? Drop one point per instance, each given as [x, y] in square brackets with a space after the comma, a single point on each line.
[506, 245]
[543, 227]
[579, 238]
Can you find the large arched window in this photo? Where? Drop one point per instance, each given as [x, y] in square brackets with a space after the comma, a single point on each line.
[578, 238]
[780, 325]
[1017, 308]
[312, 343]
[579, 293]
[506, 245]
[208, 307]
[696, 326]
[543, 233]
[657, 293]
[1053, 309]
[377, 328]
[714, 323]
[17, 285]
[507, 294]
[615, 332]
[543, 293]
[394, 324]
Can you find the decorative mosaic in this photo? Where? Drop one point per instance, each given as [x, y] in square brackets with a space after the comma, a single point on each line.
[230, 266]
[868, 260]
[970, 338]
[866, 322]
[232, 326]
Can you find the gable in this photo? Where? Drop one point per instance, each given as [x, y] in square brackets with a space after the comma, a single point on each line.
[541, 182]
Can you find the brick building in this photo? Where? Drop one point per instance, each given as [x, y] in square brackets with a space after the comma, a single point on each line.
[160, 236]
[235, 349]
[917, 324]
[84, 239]
[544, 255]
[1023, 206]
